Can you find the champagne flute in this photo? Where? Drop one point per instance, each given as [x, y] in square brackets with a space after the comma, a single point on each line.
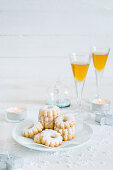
[99, 56]
[80, 64]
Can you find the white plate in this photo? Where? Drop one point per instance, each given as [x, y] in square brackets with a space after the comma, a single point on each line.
[83, 134]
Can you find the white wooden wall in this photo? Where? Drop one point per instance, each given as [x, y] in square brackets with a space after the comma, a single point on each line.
[36, 37]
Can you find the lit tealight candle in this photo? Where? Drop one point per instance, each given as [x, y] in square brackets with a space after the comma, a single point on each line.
[100, 105]
[15, 114]
[100, 101]
[15, 110]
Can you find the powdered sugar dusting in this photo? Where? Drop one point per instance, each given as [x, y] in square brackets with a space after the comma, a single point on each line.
[97, 153]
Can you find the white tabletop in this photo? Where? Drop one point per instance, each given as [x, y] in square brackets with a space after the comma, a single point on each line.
[97, 153]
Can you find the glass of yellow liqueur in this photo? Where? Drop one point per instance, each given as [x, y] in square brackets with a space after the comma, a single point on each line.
[100, 56]
[80, 64]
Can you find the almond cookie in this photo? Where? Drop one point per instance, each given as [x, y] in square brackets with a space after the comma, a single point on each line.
[47, 116]
[49, 111]
[49, 138]
[64, 122]
[48, 125]
[45, 119]
[67, 134]
[32, 130]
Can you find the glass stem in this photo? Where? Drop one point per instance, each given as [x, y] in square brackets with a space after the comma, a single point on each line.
[98, 81]
[79, 90]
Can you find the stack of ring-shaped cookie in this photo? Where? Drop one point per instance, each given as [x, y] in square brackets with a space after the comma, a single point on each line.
[49, 138]
[47, 116]
[65, 125]
[32, 130]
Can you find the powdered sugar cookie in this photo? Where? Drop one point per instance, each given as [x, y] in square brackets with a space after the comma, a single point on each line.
[49, 111]
[67, 134]
[37, 138]
[46, 119]
[47, 116]
[64, 122]
[49, 138]
[32, 130]
[48, 125]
